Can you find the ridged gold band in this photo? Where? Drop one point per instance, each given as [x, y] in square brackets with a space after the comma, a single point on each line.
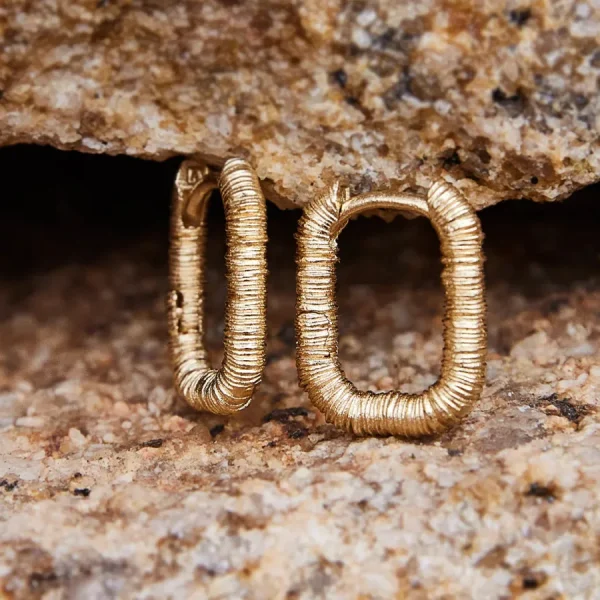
[230, 388]
[463, 367]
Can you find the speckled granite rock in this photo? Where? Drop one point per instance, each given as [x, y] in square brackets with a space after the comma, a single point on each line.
[498, 95]
[110, 487]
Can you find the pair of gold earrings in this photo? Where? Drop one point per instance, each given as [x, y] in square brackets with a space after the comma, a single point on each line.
[230, 388]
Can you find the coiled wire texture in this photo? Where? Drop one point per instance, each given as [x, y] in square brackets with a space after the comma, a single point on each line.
[230, 388]
[465, 338]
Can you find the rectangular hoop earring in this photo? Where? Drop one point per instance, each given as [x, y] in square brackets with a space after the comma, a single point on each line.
[465, 337]
[230, 388]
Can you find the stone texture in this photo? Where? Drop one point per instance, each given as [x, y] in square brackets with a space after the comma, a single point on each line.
[110, 487]
[500, 96]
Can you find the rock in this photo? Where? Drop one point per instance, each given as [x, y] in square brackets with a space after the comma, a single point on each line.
[275, 503]
[499, 97]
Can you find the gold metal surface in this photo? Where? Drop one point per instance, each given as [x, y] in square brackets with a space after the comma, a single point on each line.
[465, 338]
[230, 388]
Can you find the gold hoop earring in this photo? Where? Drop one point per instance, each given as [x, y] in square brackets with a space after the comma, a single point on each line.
[465, 337]
[230, 388]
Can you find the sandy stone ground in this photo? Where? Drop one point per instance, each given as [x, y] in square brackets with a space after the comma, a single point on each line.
[110, 487]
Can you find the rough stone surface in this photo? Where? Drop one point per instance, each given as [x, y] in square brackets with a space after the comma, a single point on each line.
[500, 96]
[110, 487]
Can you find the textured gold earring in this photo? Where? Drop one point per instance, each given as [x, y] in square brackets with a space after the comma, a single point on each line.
[230, 388]
[465, 337]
